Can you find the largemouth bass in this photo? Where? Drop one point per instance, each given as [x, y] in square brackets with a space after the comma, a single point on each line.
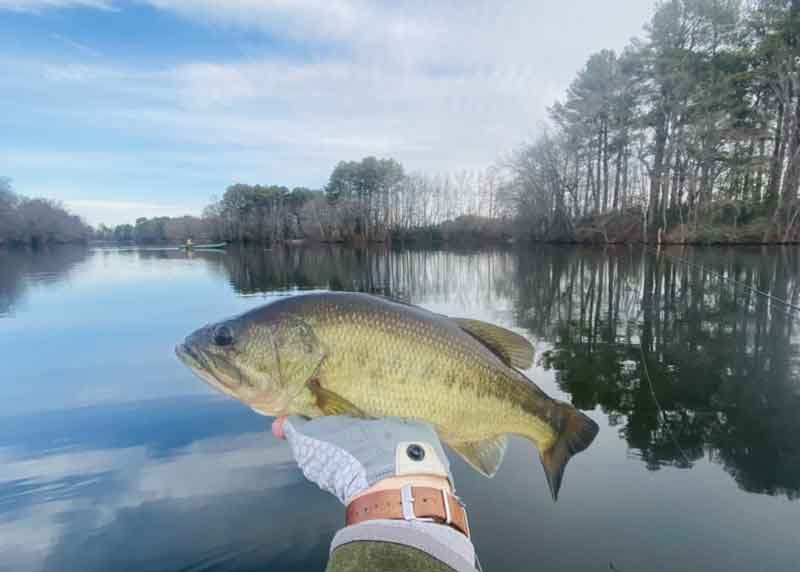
[361, 355]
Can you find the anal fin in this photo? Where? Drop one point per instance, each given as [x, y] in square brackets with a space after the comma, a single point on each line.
[484, 456]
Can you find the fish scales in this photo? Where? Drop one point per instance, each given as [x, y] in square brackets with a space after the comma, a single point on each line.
[409, 357]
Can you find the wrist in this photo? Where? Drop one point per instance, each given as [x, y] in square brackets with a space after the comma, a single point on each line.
[397, 483]
[426, 498]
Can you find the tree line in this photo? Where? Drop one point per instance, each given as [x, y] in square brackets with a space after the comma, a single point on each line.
[689, 134]
[36, 221]
[371, 200]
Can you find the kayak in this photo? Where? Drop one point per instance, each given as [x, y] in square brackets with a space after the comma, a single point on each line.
[181, 248]
[202, 246]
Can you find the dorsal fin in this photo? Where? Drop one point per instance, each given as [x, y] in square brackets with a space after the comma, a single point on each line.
[397, 298]
[509, 346]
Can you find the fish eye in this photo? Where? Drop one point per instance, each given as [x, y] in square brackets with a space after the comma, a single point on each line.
[223, 336]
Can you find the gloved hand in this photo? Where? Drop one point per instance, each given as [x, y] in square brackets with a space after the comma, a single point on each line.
[346, 456]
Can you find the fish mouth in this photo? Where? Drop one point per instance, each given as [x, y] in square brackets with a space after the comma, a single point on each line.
[195, 361]
[189, 357]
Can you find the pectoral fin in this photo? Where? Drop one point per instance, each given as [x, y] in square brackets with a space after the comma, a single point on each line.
[484, 456]
[509, 346]
[331, 403]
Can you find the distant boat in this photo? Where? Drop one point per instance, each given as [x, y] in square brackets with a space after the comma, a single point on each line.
[216, 246]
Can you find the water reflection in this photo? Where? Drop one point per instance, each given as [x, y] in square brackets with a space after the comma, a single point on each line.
[405, 274]
[113, 457]
[20, 269]
[685, 365]
[87, 489]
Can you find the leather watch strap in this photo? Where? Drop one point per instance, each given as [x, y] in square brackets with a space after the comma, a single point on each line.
[420, 503]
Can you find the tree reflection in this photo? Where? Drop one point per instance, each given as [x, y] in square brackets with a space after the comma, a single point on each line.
[685, 364]
[21, 268]
[414, 275]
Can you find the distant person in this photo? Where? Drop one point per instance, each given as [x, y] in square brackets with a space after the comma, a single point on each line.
[394, 478]
[189, 243]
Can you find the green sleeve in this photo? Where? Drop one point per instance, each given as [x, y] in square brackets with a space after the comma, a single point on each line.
[382, 557]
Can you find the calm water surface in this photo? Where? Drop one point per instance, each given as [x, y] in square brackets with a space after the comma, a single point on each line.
[114, 457]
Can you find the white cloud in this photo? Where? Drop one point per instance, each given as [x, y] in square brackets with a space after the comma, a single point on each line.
[440, 86]
[37, 6]
[333, 109]
[536, 35]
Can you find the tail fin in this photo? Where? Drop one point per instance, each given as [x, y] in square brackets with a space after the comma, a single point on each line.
[577, 433]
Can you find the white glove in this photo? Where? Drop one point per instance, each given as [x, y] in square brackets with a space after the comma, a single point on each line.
[345, 455]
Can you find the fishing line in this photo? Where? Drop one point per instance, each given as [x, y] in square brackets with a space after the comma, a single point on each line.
[659, 410]
[722, 277]
[663, 417]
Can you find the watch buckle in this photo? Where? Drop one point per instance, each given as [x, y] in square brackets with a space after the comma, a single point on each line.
[407, 500]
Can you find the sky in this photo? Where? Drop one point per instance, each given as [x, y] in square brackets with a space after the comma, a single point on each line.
[121, 109]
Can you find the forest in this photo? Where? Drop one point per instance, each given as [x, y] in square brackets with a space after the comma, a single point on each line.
[36, 222]
[371, 200]
[691, 134]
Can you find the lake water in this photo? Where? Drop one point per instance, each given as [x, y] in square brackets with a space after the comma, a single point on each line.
[113, 456]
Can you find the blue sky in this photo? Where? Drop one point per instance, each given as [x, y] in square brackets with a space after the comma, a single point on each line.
[123, 109]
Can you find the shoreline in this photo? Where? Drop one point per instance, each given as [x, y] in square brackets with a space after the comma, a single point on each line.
[412, 243]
